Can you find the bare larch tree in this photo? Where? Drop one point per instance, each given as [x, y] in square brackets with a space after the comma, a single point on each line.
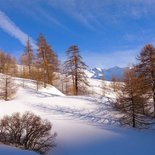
[131, 100]
[146, 68]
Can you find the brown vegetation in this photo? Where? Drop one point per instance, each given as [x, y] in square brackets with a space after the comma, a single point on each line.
[27, 131]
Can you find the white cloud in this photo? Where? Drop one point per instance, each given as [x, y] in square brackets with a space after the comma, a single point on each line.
[9, 26]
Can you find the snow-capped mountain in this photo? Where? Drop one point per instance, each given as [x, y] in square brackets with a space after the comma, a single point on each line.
[99, 73]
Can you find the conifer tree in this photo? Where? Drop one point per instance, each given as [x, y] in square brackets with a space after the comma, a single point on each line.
[47, 59]
[131, 100]
[146, 68]
[75, 69]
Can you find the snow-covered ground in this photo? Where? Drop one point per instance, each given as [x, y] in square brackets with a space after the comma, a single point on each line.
[85, 125]
[6, 150]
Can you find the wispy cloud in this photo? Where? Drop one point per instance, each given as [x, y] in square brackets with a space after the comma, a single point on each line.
[46, 16]
[35, 9]
[80, 10]
[94, 14]
[12, 29]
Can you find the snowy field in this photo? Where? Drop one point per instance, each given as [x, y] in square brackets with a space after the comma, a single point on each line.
[85, 125]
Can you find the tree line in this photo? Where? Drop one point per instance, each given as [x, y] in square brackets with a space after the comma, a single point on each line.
[44, 67]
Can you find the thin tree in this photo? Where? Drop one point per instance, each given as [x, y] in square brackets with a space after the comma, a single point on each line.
[75, 69]
[146, 68]
[23, 71]
[37, 74]
[103, 86]
[29, 56]
[114, 84]
[63, 79]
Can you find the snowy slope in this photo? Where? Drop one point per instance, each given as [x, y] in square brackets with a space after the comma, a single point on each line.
[84, 124]
[30, 84]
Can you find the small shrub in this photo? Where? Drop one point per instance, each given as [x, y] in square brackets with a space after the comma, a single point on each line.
[27, 131]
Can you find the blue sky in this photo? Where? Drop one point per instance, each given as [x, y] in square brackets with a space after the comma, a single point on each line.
[108, 32]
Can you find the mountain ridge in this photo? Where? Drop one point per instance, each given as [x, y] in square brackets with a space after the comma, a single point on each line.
[107, 74]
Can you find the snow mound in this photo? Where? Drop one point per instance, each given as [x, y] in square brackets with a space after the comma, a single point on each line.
[7, 150]
[52, 90]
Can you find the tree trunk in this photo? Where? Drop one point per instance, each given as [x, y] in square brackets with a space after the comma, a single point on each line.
[76, 77]
[153, 89]
[133, 118]
[154, 104]
[29, 71]
[37, 85]
[44, 78]
[133, 111]
[6, 89]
